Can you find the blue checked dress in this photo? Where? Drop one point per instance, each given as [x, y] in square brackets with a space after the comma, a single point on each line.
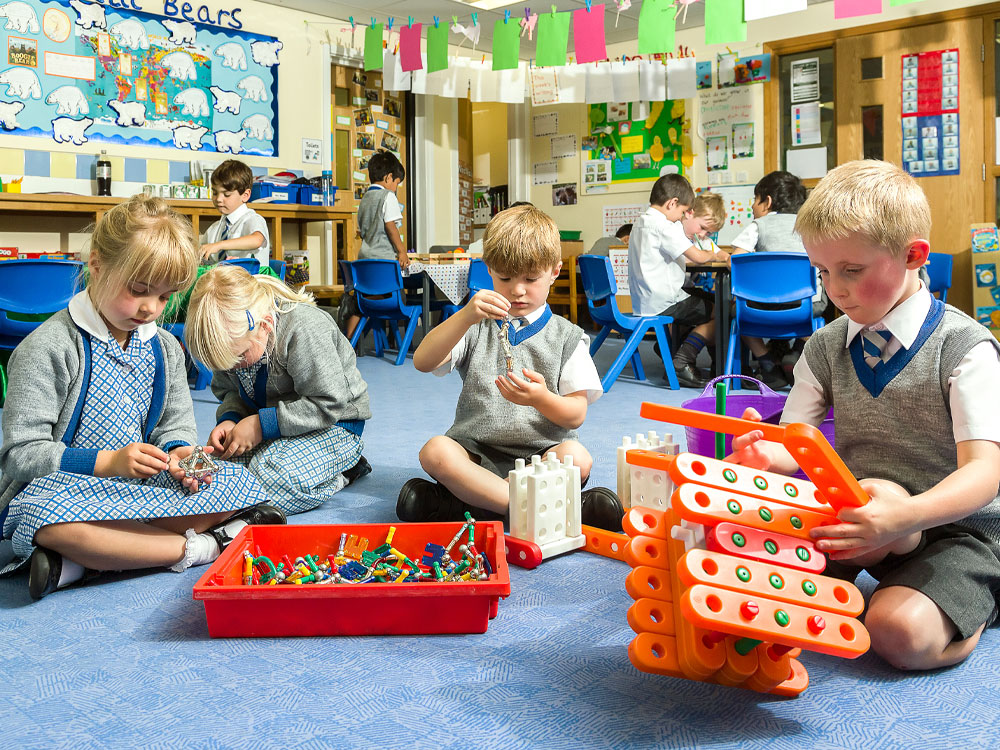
[300, 472]
[114, 415]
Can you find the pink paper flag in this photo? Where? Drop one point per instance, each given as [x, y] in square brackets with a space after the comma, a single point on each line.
[588, 34]
[852, 8]
[409, 47]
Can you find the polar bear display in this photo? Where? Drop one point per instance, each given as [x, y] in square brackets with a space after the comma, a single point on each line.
[8, 114]
[21, 82]
[69, 100]
[233, 55]
[229, 141]
[226, 101]
[130, 33]
[253, 89]
[265, 53]
[186, 136]
[180, 65]
[89, 15]
[181, 32]
[67, 129]
[193, 102]
[20, 17]
[129, 113]
[258, 127]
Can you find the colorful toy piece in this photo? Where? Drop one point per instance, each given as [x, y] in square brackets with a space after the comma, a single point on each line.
[651, 441]
[726, 580]
[198, 465]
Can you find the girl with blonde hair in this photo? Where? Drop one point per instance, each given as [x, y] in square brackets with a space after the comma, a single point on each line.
[98, 415]
[293, 402]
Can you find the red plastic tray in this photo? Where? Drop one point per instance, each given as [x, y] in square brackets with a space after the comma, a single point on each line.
[234, 610]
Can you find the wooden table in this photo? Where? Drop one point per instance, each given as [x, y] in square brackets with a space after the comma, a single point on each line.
[92, 208]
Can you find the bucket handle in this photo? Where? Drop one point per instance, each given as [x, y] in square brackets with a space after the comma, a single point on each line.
[764, 389]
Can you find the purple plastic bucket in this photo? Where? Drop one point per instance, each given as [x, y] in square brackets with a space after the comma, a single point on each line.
[767, 403]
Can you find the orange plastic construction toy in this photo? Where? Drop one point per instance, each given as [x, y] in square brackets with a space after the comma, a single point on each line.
[726, 580]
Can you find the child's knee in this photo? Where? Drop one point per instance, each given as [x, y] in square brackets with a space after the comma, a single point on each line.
[437, 453]
[581, 456]
[904, 637]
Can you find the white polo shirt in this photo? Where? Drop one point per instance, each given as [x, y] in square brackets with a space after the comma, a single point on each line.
[243, 221]
[656, 263]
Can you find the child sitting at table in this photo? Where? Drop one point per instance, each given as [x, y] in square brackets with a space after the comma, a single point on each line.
[241, 232]
[512, 408]
[658, 252]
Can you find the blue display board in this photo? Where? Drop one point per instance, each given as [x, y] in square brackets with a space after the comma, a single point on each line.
[78, 71]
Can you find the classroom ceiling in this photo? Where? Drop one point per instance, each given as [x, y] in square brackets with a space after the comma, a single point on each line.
[423, 11]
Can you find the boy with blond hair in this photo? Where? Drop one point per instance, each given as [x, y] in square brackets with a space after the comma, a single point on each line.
[527, 379]
[658, 251]
[912, 382]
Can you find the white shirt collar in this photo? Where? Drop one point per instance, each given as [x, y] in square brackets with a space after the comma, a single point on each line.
[236, 214]
[532, 316]
[903, 322]
[85, 315]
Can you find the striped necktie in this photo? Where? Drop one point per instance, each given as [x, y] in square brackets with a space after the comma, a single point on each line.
[874, 345]
[225, 230]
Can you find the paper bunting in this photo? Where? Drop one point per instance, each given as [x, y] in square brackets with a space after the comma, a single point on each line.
[852, 8]
[409, 47]
[588, 34]
[553, 38]
[373, 46]
[528, 23]
[656, 27]
[506, 44]
[437, 48]
[754, 10]
[724, 21]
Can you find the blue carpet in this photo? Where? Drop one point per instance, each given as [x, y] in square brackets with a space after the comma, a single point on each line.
[127, 662]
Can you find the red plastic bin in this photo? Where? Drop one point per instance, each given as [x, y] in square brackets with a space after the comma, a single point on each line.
[237, 611]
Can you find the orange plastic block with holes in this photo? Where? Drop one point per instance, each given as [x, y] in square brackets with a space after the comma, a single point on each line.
[726, 582]
[605, 543]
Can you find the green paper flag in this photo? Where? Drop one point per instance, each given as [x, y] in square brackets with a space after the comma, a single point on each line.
[437, 47]
[656, 27]
[553, 38]
[506, 44]
[724, 22]
[373, 47]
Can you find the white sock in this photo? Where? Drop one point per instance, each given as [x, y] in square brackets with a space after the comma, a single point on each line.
[71, 573]
[200, 549]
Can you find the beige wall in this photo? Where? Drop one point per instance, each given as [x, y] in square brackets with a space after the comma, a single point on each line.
[489, 137]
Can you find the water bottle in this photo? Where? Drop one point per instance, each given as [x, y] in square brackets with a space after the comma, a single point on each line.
[103, 174]
[328, 190]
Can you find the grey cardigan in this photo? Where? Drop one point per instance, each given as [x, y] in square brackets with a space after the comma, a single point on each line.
[48, 377]
[312, 380]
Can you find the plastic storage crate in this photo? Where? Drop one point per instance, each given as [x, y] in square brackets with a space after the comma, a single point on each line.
[277, 193]
[234, 610]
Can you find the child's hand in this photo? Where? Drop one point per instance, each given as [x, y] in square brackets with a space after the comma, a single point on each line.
[866, 534]
[244, 437]
[176, 456]
[217, 439]
[748, 449]
[209, 249]
[404, 260]
[526, 392]
[138, 461]
[486, 304]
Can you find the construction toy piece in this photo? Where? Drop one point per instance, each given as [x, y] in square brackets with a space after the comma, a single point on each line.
[651, 441]
[814, 455]
[545, 507]
[754, 544]
[198, 465]
[522, 553]
[605, 543]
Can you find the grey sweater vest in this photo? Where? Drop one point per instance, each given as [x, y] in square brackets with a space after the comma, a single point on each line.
[486, 416]
[374, 241]
[905, 435]
[776, 233]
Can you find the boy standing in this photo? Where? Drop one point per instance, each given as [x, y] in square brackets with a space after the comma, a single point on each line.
[379, 213]
[658, 251]
[527, 379]
[913, 384]
[241, 232]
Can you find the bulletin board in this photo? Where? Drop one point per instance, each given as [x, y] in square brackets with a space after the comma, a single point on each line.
[636, 148]
[737, 199]
[77, 71]
[985, 283]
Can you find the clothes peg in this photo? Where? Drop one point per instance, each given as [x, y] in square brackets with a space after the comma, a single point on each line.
[588, 5]
[437, 22]
[389, 24]
[475, 19]
[351, 19]
[506, 17]
[373, 22]
[409, 21]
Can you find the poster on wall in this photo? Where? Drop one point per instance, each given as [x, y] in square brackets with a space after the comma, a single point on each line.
[737, 200]
[930, 113]
[78, 71]
[638, 149]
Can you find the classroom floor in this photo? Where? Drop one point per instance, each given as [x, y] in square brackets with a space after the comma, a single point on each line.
[127, 662]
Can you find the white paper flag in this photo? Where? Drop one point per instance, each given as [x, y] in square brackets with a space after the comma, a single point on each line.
[652, 81]
[573, 84]
[756, 9]
[682, 81]
[484, 82]
[599, 86]
[625, 81]
[418, 81]
[513, 84]
[393, 76]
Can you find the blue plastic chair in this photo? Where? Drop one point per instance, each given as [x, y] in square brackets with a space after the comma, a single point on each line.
[279, 267]
[378, 288]
[939, 269]
[479, 278]
[31, 291]
[203, 379]
[600, 287]
[761, 282]
[252, 265]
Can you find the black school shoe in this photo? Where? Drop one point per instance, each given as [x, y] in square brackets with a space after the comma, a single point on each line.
[361, 469]
[261, 514]
[44, 570]
[420, 501]
[600, 507]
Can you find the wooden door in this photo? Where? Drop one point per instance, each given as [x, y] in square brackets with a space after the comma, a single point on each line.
[956, 200]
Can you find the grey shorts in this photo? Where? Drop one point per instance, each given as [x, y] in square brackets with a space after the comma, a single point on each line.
[691, 311]
[954, 566]
[497, 461]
